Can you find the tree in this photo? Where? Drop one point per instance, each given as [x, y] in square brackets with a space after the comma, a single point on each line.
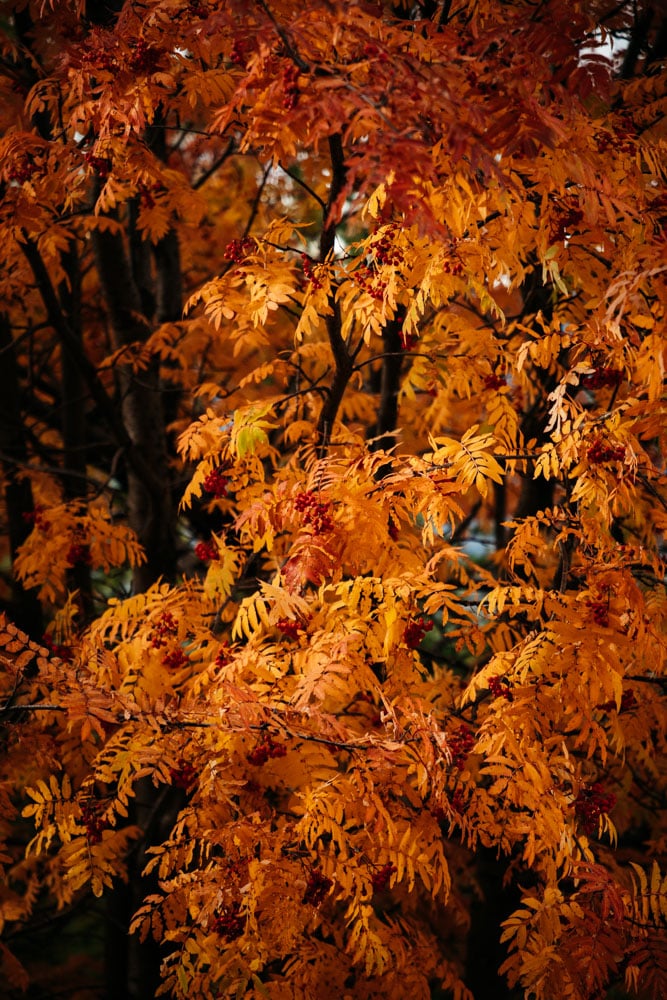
[333, 469]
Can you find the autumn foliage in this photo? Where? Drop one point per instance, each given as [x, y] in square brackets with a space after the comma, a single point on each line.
[332, 491]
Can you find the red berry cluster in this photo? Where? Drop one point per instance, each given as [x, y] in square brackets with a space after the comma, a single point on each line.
[309, 271]
[291, 86]
[224, 655]
[229, 923]
[61, 651]
[239, 54]
[21, 170]
[148, 193]
[408, 340]
[500, 688]
[600, 452]
[165, 626]
[380, 878]
[37, 519]
[494, 381]
[415, 631]
[197, 9]
[207, 551]
[316, 514]
[78, 554]
[366, 278]
[289, 627]
[625, 131]
[599, 378]
[393, 529]
[460, 744]
[91, 814]
[100, 164]
[183, 775]
[591, 803]
[144, 58]
[565, 223]
[458, 802]
[384, 250]
[628, 702]
[175, 659]
[454, 267]
[600, 612]
[268, 749]
[238, 250]
[372, 51]
[216, 483]
[317, 888]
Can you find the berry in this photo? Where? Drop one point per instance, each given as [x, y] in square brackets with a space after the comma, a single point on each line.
[415, 631]
[268, 749]
[600, 612]
[290, 627]
[223, 656]
[229, 923]
[37, 519]
[590, 804]
[315, 514]
[599, 452]
[309, 272]
[78, 554]
[100, 164]
[380, 878]
[175, 659]
[317, 888]
[291, 86]
[166, 625]
[238, 250]
[183, 775]
[494, 381]
[206, 551]
[500, 688]
[63, 652]
[93, 821]
[384, 249]
[216, 483]
[145, 57]
[460, 744]
[408, 340]
[599, 378]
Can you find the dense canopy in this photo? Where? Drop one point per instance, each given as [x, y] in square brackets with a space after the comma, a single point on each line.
[332, 491]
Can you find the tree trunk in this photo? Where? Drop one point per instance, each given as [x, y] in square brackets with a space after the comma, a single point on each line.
[25, 609]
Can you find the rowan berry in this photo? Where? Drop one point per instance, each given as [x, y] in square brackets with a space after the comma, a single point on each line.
[459, 744]
[268, 749]
[79, 554]
[414, 632]
[591, 803]
[238, 250]
[166, 625]
[91, 814]
[599, 378]
[291, 86]
[500, 688]
[494, 381]
[175, 659]
[290, 627]
[317, 887]
[599, 452]
[229, 923]
[380, 879]
[206, 551]
[216, 483]
[183, 775]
